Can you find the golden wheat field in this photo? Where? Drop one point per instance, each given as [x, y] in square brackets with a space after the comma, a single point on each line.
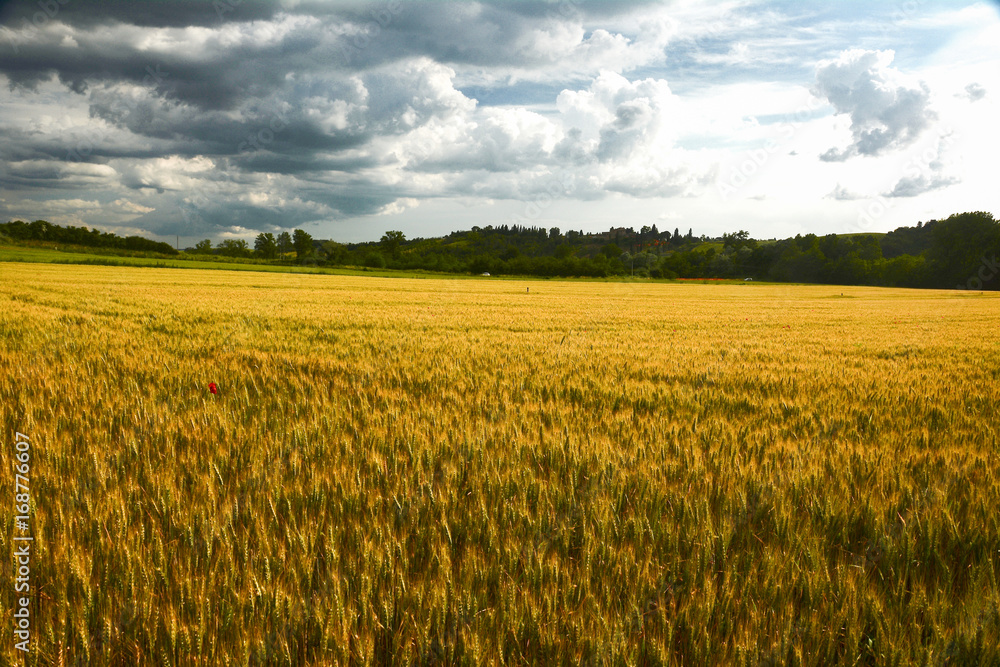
[424, 471]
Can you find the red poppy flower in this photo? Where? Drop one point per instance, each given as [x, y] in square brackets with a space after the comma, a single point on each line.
[212, 388]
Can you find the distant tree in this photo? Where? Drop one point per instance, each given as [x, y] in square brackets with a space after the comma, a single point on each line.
[690, 236]
[742, 239]
[234, 248]
[677, 236]
[44, 231]
[335, 253]
[611, 251]
[554, 233]
[644, 260]
[510, 252]
[721, 266]
[908, 240]
[266, 246]
[564, 250]
[392, 240]
[905, 271]
[203, 247]
[303, 244]
[375, 260]
[284, 243]
[41, 230]
[480, 264]
[961, 247]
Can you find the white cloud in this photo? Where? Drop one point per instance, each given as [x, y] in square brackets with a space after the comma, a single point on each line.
[927, 171]
[974, 92]
[840, 193]
[399, 206]
[619, 114]
[172, 173]
[69, 205]
[918, 185]
[568, 45]
[615, 135]
[887, 109]
[599, 109]
[125, 207]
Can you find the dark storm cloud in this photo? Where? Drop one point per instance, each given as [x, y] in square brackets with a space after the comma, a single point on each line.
[85, 43]
[453, 32]
[337, 35]
[188, 130]
[147, 14]
[309, 53]
[247, 115]
[49, 174]
[218, 76]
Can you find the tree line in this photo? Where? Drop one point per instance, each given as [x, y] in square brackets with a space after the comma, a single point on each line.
[266, 246]
[958, 252]
[41, 230]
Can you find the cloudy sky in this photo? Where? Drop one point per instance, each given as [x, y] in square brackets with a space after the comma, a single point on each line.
[224, 119]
